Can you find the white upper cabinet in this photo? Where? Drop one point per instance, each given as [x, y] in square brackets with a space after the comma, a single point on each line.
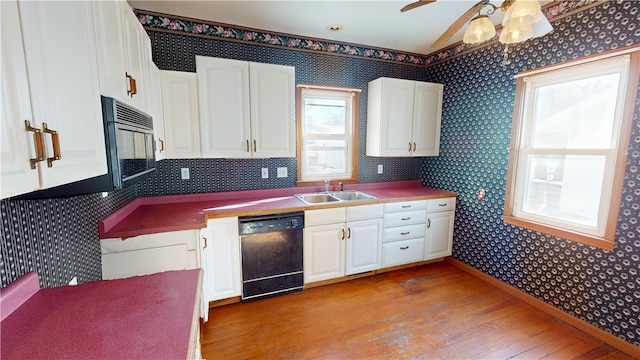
[403, 118]
[155, 99]
[180, 113]
[124, 53]
[17, 148]
[246, 109]
[60, 57]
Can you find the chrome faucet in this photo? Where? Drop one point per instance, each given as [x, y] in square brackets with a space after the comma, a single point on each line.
[326, 185]
[341, 186]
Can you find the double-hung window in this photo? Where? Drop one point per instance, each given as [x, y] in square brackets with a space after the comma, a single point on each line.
[327, 134]
[568, 148]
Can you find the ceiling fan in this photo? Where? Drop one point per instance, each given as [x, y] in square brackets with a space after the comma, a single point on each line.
[474, 11]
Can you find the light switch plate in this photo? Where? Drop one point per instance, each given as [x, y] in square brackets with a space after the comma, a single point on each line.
[282, 172]
[184, 174]
[265, 173]
[380, 169]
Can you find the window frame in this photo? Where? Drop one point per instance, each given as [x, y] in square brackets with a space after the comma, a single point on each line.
[354, 94]
[510, 216]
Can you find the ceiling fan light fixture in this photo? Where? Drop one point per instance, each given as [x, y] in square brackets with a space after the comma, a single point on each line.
[522, 12]
[480, 29]
[516, 34]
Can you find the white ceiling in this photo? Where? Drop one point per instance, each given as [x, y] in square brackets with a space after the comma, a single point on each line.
[366, 22]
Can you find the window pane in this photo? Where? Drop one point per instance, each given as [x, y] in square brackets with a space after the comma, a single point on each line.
[566, 188]
[325, 116]
[576, 114]
[326, 156]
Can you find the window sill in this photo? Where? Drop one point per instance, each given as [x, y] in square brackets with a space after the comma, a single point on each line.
[602, 243]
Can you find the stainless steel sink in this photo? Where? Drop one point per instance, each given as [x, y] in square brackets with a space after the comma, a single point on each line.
[323, 198]
[352, 195]
[317, 198]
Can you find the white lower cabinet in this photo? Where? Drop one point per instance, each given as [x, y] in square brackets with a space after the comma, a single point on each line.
[148, 254]
[221, 259]
[439, 238]
[342, 241]
[404, 232]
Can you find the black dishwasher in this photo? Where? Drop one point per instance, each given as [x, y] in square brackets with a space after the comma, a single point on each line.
[271, 248]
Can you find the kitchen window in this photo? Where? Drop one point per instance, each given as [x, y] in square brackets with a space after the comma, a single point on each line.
[569, 140]
[327, 134]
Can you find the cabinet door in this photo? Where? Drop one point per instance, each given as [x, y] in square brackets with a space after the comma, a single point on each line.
[112, 63]
[17, 148]
[396, 113]
[324, 256]
[439, 238]
[60, 51]
[221, 258]
[180, 113]
[156, 111]
[223, 91]
[426, 119]
[272, 110]
[137, 50]
[364, 246]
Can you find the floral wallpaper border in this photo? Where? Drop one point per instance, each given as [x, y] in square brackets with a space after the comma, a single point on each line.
[163, 22]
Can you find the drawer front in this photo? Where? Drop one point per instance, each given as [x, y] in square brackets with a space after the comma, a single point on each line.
[405, 206]
[444, 204]
[404, 232]
[324, 216]
[405, 218]
[364, 212]
[402, 252]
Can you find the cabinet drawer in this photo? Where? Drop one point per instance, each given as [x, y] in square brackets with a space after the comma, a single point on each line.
[141, 242]
[444, 204]
[364, 212]
[405, 206]
[324, 216]
[404, 232]
[402, 252]
[405, 218]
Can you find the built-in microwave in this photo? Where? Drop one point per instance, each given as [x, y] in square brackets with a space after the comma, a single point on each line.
[130, 145]
[130, 153]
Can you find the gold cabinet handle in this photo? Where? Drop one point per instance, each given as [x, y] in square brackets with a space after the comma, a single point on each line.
[445, 204]
[38, 140]
[428, 223]
[254, 146]
[55, 141]
[349, 236]
[409, 146]
[404, 247]
[248, 145]
[132, 90]
[205, 242]
[414, 146]
[405, 219]
[405, 233]
[161, 145]
[342, 231]
[406, 206]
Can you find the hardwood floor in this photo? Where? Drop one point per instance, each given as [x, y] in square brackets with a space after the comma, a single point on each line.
[435, 311]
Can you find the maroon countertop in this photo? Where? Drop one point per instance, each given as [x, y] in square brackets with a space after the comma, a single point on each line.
[148, 215]
[143, 317]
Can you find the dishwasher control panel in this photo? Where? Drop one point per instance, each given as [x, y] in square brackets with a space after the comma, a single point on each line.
[269, 223]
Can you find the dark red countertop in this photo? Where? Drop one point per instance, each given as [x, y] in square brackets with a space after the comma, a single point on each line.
[143, 317]
[148, 215]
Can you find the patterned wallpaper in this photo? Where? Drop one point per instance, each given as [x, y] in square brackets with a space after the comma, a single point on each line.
[177, 52]
[57, 238]
[597, 286]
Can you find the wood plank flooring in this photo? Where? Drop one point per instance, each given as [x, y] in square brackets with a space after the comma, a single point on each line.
[435, 311]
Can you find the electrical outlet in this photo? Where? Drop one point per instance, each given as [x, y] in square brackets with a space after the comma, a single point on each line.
[184, 174]
[74, 281]
[282, 172]
[265, 173]
[380, 169]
